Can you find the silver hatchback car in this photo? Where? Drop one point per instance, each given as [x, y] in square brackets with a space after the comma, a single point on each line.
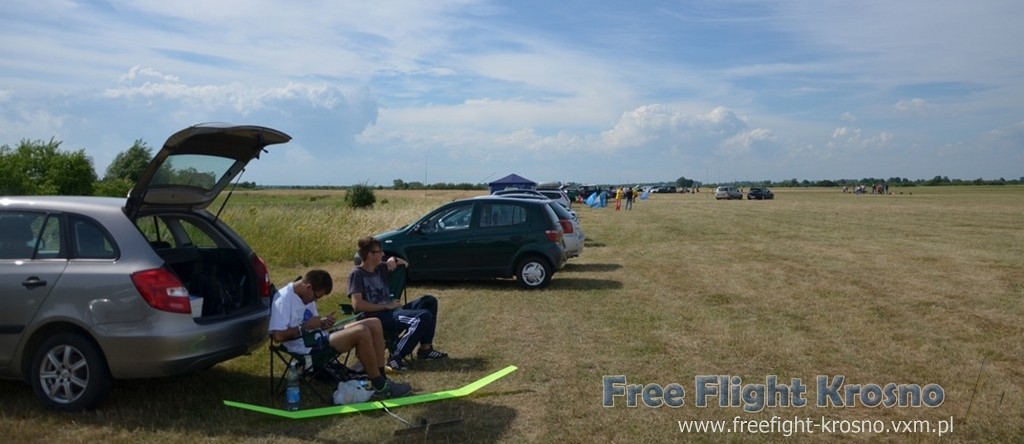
[94, 289]
[728, 193]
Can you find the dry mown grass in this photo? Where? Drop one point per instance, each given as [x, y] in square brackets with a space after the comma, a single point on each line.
[915, 288]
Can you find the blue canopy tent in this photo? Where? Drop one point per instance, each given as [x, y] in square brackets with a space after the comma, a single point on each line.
[512, 181]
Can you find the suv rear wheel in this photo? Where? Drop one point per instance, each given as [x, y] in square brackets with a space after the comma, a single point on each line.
[533, 273]
[69, 373]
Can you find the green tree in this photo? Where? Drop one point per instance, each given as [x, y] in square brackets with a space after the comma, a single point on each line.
[37, 167]
[113, 187]
[131, 163]
[12, 172]
[683, 182]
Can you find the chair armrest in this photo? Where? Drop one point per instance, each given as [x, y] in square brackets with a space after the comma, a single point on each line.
[347, 309]
[309, 338]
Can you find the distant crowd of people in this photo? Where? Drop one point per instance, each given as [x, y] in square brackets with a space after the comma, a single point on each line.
[878, 188]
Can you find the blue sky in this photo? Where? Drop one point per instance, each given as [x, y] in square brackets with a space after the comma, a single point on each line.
[584, 91]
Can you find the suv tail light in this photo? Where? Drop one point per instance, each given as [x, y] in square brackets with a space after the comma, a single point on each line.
[262, 277]
[566, 226]
[553, 235]
[162, 290]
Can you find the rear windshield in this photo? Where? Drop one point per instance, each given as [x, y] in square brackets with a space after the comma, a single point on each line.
[192, 170]
[560, 210]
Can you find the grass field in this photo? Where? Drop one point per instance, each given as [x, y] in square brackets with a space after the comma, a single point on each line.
[922, 287]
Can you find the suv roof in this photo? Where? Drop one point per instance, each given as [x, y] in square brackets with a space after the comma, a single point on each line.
[516, 191]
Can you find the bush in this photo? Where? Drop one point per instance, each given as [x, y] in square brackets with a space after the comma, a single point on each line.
[360, 196]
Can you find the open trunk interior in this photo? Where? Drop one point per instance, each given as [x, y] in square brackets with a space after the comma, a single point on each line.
[217, 273]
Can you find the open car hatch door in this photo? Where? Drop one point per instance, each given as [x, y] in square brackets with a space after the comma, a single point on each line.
[197, 163]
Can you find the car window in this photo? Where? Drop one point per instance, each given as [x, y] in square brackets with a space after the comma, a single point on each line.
[560, 211]
[156, 231]
[49, 246]
[193, 170]
[89, 240]
[177, 232]
[198, 235]
[451, 219]
[552, 217]
[19, 234]
[501, 215]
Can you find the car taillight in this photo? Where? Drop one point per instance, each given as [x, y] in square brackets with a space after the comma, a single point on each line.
[566, 226]
[162, 290]
[262, 276]
[553, 235]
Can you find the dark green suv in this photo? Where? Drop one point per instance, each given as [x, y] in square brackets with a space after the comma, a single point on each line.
[482, 238]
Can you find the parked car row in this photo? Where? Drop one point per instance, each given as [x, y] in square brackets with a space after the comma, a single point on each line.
[728, 193]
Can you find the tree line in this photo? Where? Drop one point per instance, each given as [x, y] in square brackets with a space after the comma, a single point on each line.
[37, 167]
[892, 181]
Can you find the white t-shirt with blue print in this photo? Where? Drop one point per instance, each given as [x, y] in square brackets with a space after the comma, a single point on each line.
[288, 311]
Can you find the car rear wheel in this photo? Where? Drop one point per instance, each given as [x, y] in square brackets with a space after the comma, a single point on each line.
[533, 273]
[69, 373]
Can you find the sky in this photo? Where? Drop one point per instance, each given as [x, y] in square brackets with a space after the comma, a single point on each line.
[607, 92]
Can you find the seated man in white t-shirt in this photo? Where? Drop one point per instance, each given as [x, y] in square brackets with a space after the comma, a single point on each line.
[294, 313]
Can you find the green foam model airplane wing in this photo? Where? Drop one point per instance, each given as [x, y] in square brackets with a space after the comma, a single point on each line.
[376, 405]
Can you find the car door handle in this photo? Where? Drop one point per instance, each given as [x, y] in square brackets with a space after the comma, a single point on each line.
[33, 282]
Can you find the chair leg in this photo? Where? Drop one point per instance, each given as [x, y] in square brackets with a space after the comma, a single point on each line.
[311, 371]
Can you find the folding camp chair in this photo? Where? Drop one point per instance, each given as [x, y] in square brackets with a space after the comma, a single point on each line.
[322, 363]
[396, 286]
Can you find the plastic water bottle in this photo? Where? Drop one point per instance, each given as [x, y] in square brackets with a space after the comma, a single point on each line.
[291, 394]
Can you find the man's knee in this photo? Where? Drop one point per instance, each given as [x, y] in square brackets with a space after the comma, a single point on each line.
[343, 340]
[425, 302]
[373, 323]
[340, 342]
[424, 316]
